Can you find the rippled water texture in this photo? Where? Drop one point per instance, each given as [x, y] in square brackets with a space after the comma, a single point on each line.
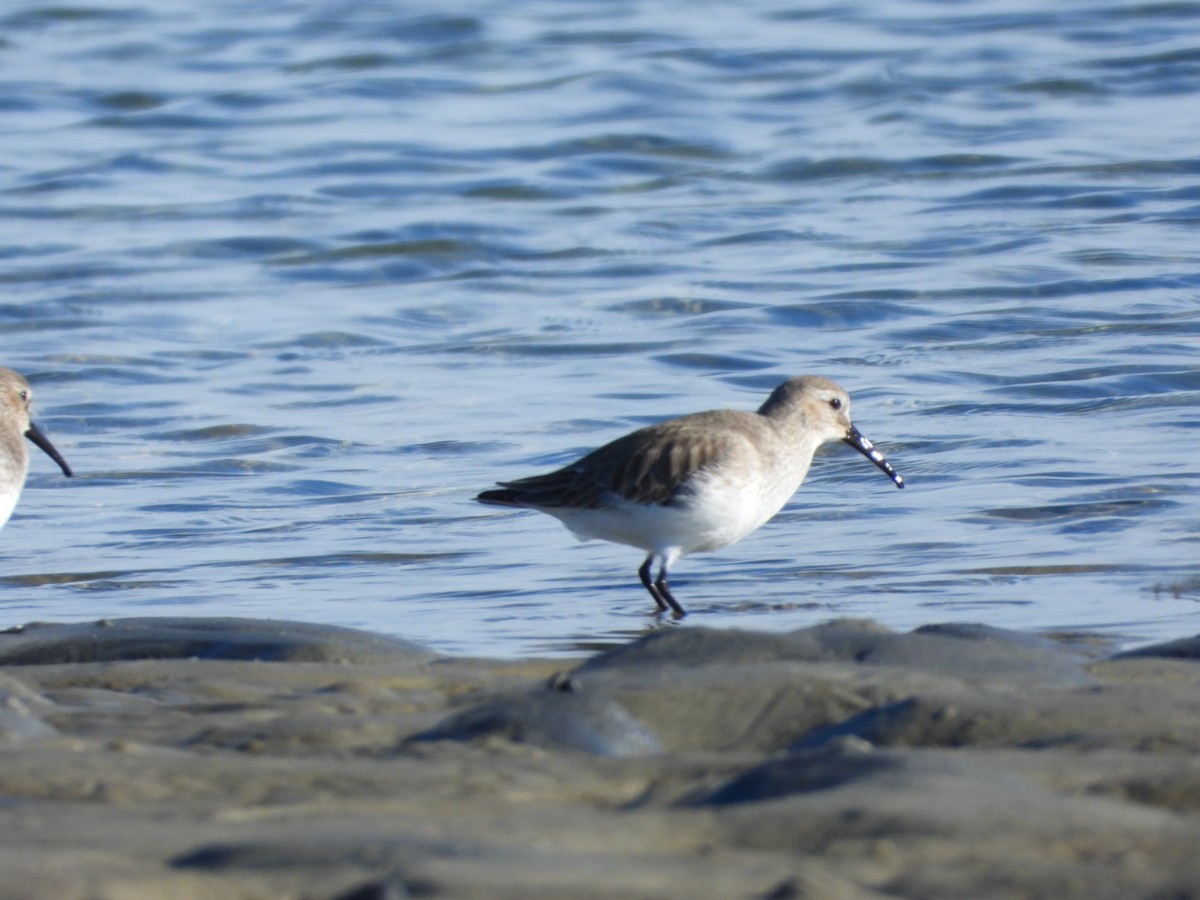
[294, 281]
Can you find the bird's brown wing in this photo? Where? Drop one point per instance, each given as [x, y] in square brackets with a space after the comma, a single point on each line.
[647, 466]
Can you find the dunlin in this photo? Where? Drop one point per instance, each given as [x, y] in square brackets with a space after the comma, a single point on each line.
[15, 426]
[696, 483]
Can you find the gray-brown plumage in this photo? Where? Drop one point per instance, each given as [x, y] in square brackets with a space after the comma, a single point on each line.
[647, 466]
[695, 483]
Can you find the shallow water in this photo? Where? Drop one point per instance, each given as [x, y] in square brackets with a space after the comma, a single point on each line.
[294, 281]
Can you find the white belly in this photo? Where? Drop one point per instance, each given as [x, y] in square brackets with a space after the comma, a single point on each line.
[13, 463]
[8, 502]
[713, 512]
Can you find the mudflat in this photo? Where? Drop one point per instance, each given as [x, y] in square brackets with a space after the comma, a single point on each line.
[235, 758]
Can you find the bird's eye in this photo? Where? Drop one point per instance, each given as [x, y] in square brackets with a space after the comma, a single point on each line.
[835, 403]
[24, 395]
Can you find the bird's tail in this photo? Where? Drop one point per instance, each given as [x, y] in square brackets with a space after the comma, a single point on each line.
[501, 497]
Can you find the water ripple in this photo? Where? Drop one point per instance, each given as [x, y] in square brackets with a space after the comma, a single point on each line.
[294, 282]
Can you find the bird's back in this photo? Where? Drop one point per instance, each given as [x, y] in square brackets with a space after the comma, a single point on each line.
[648, 466]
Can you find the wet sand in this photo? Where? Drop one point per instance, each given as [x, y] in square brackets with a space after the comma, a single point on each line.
[232, 758]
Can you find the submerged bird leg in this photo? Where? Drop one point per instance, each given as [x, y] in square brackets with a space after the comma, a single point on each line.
[665, 592]
[658, 589]
[644, 574]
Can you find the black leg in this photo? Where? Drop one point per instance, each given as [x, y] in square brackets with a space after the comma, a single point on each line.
[644, 574]
[663, 598]
[665, 593]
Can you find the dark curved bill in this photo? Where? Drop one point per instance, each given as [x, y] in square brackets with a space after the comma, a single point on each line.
[44, 442]
[855, 439]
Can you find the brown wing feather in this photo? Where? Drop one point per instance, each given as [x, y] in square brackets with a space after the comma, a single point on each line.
[646, 466]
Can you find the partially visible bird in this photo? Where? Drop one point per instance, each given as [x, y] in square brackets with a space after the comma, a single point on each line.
[15, 426]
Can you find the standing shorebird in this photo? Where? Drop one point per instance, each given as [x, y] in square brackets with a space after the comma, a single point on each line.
[15, 426]
[696, 483]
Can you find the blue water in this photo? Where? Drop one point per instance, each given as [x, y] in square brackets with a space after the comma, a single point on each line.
[295, 280]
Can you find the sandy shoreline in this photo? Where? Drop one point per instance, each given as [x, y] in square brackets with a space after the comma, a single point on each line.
[194, 758]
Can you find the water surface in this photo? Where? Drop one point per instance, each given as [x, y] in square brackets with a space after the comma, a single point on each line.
[294, 281]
